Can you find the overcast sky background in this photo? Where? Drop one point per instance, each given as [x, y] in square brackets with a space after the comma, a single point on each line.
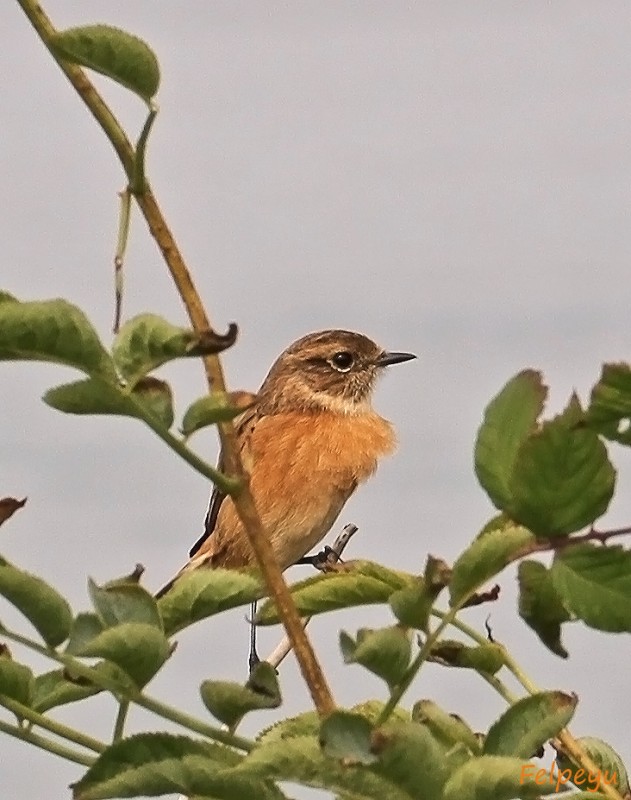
[449, 178]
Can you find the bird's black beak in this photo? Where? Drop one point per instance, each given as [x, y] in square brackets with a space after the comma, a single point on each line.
[387, 359]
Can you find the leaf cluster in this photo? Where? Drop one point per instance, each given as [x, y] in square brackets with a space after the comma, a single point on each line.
[550, 480]
[428, 755]
[119, 382]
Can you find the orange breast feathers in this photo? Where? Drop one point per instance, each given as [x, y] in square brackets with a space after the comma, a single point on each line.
[303, 468]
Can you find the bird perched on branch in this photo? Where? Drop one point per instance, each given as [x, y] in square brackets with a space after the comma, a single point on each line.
[309, 440]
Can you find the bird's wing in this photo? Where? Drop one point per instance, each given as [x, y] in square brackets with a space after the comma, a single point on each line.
[241, 424]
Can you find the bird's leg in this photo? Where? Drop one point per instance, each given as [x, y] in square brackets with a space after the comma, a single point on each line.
[253, 656]
[325, 561]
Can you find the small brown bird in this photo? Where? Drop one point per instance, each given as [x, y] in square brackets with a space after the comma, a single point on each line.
[309, 440]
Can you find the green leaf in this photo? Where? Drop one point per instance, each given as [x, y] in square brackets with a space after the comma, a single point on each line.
[594, 584]
[91, 396]
[52, 330]
[413, 759]
[540, 606]
[449, 729]
[60, 687]
[124, 602]
[371, 569]
[52, 689]
[85, 628]
[385, 652]
[363, 584]
[148, 341]
[373, 709]
[301, 760]
[157, 397]
[204, 592]
[411, 605]
[486, 557]
[138, 649]
[16, 681]
[213, 408]
[508, 421]
[529, 723]
[488, 658]
[346, 736]
[5, 297]
[611, 766]
[562, 479]
[229, 701]
[96, 396]
[42, 605]
[306, 724]
[132, 577]
[110, 51]
[609, 410]
[495, 778]
[152, 764]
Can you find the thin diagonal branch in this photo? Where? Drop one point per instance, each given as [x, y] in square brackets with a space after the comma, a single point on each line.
[283, 648]
[242, 496]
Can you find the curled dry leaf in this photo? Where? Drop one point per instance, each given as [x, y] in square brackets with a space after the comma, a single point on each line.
[478, 598]
[210, 342]
[8, 507]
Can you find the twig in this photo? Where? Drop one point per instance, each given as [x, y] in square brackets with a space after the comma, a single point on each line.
[242, 497]
[561, 542]
[193, 724]
[51, 725]
[411, 672]
[46, 744]
[99, 678]
[283, 648]
[121, 718]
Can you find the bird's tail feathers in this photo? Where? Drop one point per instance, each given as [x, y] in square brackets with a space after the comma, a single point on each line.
[194, 563]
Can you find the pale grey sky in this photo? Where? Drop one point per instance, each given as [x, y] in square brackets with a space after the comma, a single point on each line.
[450, 178]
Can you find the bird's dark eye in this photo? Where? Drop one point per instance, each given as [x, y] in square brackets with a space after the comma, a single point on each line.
[342, 361]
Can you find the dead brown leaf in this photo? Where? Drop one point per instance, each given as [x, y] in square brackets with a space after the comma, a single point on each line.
[210, 342]
[8, 507]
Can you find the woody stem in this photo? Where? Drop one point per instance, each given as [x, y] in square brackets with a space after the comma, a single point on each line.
[242, 496]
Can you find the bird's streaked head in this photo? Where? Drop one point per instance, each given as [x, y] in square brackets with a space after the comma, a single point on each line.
[330, 370]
